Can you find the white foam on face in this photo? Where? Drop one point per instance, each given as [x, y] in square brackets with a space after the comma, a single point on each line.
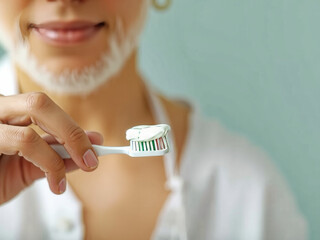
[147, 132]
[86, 80]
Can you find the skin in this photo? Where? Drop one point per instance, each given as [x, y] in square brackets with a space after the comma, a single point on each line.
[122, 193]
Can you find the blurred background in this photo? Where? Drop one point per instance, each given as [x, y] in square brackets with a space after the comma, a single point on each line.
[255, 66]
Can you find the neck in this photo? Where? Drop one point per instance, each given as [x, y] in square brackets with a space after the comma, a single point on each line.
[116, 106]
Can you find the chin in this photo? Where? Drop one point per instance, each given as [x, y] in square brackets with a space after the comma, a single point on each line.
[60, 64]
[57, 59]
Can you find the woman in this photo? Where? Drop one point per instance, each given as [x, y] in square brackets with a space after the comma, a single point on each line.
[73, 68]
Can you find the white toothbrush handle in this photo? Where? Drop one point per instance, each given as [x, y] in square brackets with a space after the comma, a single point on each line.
[100, 150]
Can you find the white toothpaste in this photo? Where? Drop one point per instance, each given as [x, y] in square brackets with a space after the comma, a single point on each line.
[147, 132]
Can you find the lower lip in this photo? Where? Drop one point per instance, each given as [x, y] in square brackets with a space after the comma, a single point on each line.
[67, 37]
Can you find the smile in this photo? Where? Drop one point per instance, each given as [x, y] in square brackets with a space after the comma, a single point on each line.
[67, 33]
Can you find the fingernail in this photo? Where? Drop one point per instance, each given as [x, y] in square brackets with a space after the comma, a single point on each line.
[62, 185]
[90, 159]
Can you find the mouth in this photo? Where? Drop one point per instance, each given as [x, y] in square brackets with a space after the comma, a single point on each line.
[67, 33]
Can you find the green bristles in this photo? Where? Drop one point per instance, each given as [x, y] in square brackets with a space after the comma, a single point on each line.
[152, 145]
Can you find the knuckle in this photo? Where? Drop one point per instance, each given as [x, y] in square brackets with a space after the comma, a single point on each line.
[37, 101]
[75, 134]
[27, 135]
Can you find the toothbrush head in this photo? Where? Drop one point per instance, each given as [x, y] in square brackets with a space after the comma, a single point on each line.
[148, 140]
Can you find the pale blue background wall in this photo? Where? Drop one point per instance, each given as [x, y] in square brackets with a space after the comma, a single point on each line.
[255, 65]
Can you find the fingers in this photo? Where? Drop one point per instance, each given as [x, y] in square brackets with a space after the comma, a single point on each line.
[94, 137]
[32, 173]
[41, 110]
[27, 143]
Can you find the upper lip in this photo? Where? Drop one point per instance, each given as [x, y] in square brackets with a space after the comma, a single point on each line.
[70, 25]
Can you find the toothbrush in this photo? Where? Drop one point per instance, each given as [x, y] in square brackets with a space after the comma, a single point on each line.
[145, 141]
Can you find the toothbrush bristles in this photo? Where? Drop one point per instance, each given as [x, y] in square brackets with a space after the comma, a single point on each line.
[153, 145]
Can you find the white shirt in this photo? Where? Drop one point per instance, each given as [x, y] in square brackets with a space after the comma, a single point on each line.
[231, 191]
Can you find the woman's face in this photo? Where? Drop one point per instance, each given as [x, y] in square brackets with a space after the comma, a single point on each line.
[70, 34]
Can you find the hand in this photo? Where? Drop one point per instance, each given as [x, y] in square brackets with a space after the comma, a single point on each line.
[25, 156]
